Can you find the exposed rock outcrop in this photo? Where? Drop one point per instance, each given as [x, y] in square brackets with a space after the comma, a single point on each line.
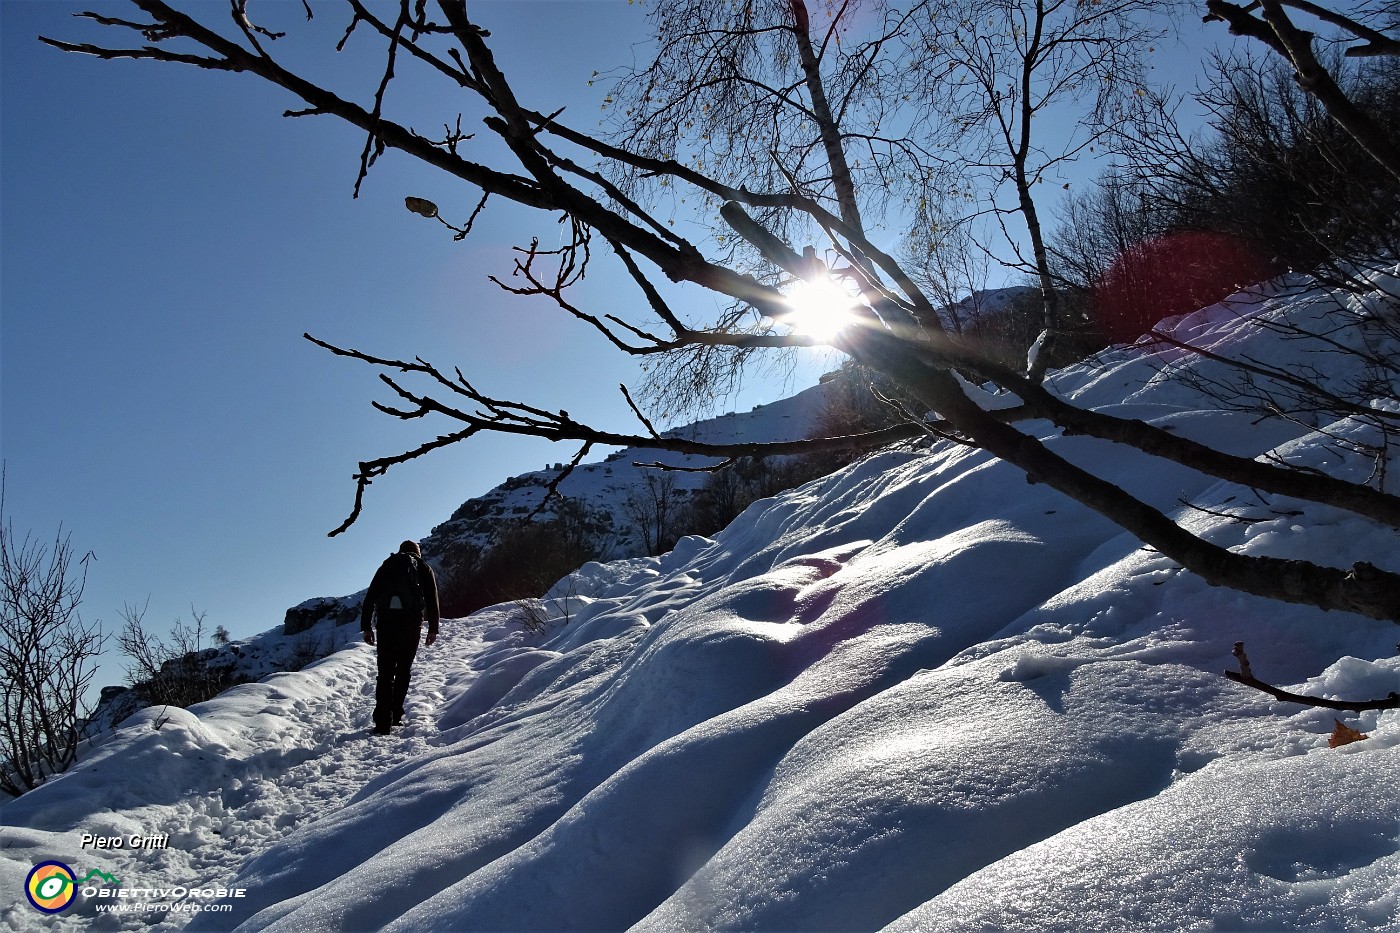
[341, 609]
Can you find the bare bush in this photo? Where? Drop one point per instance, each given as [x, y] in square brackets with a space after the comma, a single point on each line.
[528, 557]
[47, 657]
[175, 672]
[308, 649]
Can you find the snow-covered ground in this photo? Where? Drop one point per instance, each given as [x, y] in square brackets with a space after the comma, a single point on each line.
[919, 694]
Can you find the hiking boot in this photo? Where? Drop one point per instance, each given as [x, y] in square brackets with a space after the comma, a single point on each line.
[381, 730]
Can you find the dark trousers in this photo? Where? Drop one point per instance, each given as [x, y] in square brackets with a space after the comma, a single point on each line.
[397, 641]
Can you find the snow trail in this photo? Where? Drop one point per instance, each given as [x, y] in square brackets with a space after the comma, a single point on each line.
[266, 760]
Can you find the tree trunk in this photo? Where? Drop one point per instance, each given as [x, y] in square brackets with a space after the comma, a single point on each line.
[1049, 298]
[826, 123]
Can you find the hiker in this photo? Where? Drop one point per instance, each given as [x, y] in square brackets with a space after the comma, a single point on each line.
[402, 593]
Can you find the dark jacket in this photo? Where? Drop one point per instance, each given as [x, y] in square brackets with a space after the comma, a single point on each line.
[426, 581]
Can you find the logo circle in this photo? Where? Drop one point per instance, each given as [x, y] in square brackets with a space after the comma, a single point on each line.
[51, 887]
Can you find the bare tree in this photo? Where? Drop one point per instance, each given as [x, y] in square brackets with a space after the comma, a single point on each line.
[945, 261]
[1269, 167]
[47, 657]
[1366, 31]
[994, 73]
[525, 557]
[173, 673]
[896, 329]
[654, 511]
[763, 96]
[1101, 224]
[1271, 184]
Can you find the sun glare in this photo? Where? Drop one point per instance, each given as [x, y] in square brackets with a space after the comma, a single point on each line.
[820, 309]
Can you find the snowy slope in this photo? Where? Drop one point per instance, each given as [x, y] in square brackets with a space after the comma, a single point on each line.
[919, 694]
[603, 486]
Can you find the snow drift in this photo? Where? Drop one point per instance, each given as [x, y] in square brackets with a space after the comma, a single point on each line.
[919, 694]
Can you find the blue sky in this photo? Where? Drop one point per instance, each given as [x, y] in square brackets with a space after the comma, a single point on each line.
[167, 238]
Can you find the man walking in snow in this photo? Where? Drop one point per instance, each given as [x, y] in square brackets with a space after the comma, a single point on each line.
[402, 593]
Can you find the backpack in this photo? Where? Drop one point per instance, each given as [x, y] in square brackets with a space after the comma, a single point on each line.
[401, 591]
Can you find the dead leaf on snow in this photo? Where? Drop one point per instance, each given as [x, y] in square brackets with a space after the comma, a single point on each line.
[1344, 735]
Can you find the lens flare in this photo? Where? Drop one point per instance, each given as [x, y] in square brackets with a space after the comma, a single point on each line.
[1173, 274]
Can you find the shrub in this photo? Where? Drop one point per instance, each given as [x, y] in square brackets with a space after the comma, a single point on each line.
[174, 673]
[47, 658]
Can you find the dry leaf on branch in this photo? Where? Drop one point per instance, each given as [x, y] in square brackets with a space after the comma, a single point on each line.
[421, 206]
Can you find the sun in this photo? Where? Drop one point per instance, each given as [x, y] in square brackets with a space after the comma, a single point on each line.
[820, 309]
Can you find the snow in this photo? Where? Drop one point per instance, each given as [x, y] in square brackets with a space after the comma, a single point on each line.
[919, 694]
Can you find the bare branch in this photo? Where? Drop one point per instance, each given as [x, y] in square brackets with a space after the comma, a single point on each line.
[1377, 43]
[370, 469]
[1308, 386]
[1246, 677]
[1278, 32]
[552, 489]
[669, 468]
[515, 418]
[638, 412]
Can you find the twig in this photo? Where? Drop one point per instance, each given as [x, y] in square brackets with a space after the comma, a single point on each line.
[638, 412]
[1226, 515]
[1246, 676]
[552, 489]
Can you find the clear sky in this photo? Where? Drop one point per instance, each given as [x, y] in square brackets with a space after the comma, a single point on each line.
[168, 236]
